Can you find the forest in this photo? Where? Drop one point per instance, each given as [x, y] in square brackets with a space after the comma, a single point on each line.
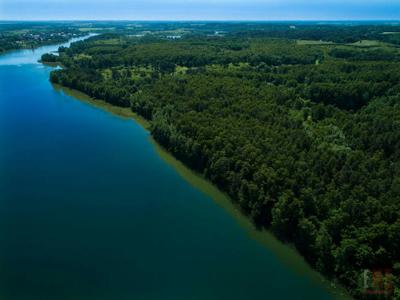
[299, 126]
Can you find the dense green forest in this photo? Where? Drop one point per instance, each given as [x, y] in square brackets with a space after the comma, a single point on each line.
[301, 127]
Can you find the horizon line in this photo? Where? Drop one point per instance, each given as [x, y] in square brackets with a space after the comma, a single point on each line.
[200, 20]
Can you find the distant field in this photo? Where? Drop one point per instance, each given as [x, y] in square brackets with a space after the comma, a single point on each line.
[82, 56]
[359, 44]
[20, 31]
[391, 32]
[108, 42]
[368, 43]
[87, 29]
[315, 43]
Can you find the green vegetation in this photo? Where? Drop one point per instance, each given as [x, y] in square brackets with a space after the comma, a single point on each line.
[304, 137]
[20, 35]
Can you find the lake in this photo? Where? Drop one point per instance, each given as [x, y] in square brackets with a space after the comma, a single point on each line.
[91, 208]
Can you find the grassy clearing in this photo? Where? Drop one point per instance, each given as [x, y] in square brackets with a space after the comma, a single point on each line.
[368, 43]
[180, 70]
[108, 42]
[313, 43]
[136, 72]
[82, 56]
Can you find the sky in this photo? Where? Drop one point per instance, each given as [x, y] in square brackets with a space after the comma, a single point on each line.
[267, 10]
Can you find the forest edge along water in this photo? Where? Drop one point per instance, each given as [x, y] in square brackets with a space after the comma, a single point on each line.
[284, 253]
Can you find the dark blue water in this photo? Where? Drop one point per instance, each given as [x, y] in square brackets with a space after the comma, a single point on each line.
[88, 210]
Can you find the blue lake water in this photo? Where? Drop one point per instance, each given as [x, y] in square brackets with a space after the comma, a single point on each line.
[89, 210]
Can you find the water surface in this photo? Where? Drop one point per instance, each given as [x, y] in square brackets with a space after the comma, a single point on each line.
[90, 210]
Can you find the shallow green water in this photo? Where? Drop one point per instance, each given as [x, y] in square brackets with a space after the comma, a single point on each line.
[90, 210]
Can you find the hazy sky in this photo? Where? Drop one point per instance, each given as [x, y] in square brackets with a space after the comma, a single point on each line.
[199, 9]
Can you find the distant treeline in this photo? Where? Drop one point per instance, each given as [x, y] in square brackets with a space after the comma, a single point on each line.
[15, 35]
[304, 137]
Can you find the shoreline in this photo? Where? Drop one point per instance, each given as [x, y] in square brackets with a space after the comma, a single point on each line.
[39, 46]
[285, 253]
